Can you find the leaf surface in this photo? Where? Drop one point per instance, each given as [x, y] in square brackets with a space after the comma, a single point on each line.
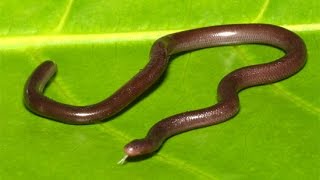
[99, 45]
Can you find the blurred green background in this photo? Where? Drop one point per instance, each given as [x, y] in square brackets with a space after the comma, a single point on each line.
[99, 45]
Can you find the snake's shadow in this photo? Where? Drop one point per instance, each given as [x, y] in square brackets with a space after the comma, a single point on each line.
[148, 91]
[140, 158]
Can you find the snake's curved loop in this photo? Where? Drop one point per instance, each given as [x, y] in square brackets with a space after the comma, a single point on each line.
[69, 114]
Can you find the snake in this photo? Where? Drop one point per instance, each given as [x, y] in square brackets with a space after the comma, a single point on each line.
[227, 106]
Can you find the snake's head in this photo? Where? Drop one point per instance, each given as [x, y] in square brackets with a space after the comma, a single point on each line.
[139, 147]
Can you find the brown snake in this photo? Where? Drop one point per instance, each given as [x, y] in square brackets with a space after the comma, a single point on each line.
[228, 100]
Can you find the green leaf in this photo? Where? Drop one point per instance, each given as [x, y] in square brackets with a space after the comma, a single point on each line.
[99, 45]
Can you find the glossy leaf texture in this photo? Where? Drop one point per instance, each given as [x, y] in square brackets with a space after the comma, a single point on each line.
[99, 45]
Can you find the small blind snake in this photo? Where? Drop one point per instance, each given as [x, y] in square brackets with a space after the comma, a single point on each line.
[228, 100]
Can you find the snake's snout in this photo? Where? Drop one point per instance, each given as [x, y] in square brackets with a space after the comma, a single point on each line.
[139, 147]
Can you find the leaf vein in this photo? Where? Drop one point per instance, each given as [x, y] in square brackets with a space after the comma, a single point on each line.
[296, 99]
[285, 93]
[20, 42]
[64, 17]
[262, 11]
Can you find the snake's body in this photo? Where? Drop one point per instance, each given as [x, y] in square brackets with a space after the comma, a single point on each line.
[162, 49]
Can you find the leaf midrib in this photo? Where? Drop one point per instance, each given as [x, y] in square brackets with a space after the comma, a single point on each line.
[21, 42]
